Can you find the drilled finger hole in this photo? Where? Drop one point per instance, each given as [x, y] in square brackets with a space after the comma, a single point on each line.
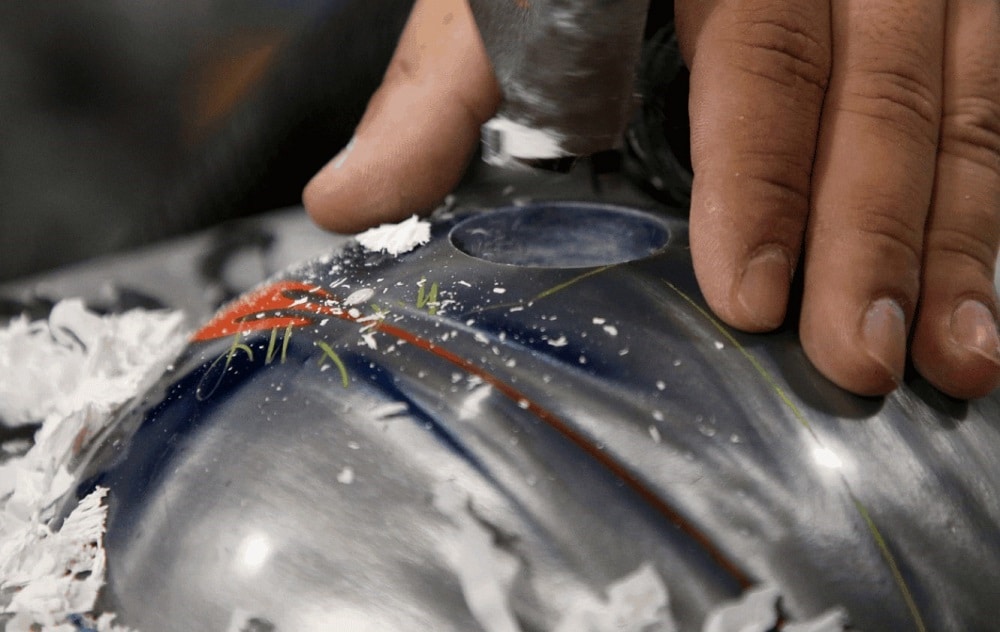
[561, 235]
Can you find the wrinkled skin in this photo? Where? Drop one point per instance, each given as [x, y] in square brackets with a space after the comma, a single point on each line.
[859, 140]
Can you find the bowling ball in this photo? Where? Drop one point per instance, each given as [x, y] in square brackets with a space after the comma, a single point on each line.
[547, 378]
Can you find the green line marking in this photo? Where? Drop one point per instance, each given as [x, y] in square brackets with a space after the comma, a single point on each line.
[873, 529]
[722, 329]
[897, 575]
[549, 292]
[576, 279]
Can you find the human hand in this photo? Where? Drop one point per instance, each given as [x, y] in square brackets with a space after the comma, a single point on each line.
[420, 129]
[859, 140]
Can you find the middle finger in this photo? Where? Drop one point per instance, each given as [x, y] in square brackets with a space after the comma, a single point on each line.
[872, 184]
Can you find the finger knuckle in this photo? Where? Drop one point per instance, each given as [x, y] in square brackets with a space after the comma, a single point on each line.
[780, 48]
[970, 129]
[476, 108]
[898, 94]
[785, 182]
[402, 68]
[893, 235]
[967, 249]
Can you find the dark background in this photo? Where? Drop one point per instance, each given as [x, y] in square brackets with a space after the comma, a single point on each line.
[123, 122]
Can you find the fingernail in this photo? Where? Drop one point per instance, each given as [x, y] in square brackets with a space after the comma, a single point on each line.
[763, 290]
[973, 327]
[338, 161]
[884, 334]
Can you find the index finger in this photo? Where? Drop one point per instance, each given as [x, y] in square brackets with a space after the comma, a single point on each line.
[419, 129]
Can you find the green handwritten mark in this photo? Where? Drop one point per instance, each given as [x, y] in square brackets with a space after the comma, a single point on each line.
[238, 346]
[427, 298]
[329, 353]
[269, 356]
[201, 393]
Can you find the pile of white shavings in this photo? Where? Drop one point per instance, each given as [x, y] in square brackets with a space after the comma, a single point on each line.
[638, 602]
[71, 372]
[396, 239]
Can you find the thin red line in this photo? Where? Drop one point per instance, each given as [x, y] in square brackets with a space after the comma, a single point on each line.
[548, 417]
[580, 441]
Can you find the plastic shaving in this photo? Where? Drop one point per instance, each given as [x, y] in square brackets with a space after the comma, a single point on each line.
[389, 411]
[52, 575]
[71, 372]
[757, 611]
[346, 476]
[484, 571]
[359, 296]
[831, 621]
[76, 357]
[636, 603]
[396, 239]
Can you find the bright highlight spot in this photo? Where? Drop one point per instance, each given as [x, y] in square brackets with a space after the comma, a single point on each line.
[828, 458]
[253, 553]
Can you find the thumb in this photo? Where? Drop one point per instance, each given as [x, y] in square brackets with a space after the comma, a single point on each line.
[420, 128]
